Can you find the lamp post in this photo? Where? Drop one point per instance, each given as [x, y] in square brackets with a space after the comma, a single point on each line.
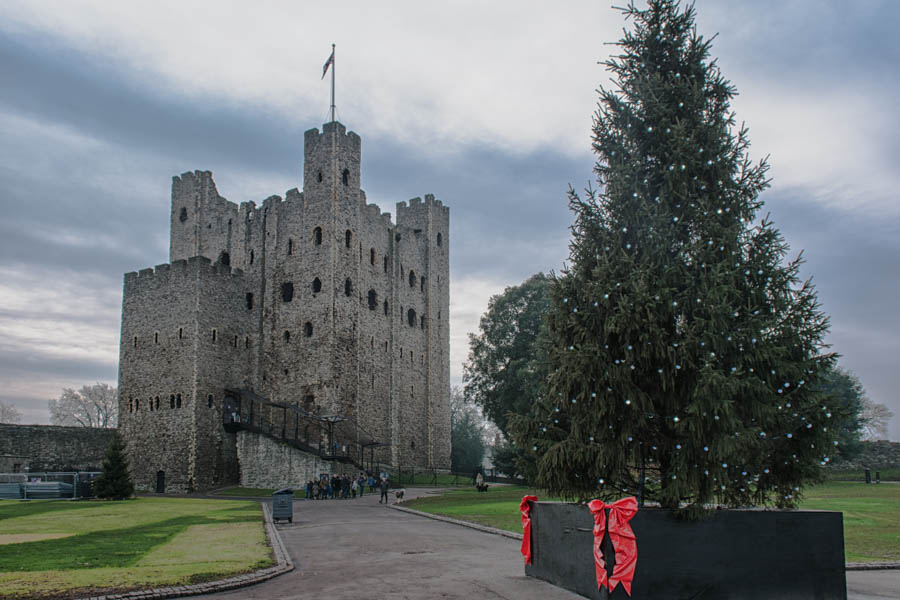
[25, 487]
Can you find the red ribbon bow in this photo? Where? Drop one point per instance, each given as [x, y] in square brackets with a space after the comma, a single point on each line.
[525, 507]
[622, 538]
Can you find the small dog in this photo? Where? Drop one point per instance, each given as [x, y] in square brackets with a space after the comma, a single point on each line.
[398, 494]
[482, 487]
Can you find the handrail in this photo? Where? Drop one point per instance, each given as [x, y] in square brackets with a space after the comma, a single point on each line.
[336, 438]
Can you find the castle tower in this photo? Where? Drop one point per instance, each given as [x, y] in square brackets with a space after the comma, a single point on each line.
[326, 304]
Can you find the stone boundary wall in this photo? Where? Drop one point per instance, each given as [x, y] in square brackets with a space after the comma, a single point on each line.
[55, 448]
[875, 455]
[268, 463]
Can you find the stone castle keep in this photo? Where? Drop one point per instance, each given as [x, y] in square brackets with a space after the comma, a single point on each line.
[306, 335]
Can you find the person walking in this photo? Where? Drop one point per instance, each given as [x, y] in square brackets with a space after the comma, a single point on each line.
[384, 490]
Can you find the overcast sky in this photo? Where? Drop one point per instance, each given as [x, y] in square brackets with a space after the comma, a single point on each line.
[487, 105]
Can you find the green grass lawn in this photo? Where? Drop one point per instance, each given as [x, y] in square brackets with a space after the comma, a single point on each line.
[871, 513]
[53, 548]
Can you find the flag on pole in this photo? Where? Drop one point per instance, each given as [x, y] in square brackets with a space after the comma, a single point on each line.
[328, 63]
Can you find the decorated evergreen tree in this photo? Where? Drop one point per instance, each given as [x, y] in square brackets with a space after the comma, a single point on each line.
[684, 351]
[115, 482]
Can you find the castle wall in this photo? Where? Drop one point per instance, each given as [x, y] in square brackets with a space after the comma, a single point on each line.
[317, 309]
[53, 447]
[267, 463]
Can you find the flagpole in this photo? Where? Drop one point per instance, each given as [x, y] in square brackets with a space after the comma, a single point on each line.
[333, 65]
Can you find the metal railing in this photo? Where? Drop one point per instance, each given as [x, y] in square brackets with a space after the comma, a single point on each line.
[331, 437]
[47, 485]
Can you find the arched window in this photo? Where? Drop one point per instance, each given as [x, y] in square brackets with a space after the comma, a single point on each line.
[180, 332]
[249, 300]
[137, 404]
[317, 236]
[371, 256]
[439, 239]
[317, 286]
[130, 405]
[209, 401]
[172, 401]
[348, 238]
[307, 329]
[290, 246]
[412, 278]
[373, 300]
[156, 338]
[182, 216]
[348, 287]
[411, 317]
[215, 334]
[287, 336]
[287, 291]
[345, 177]
[177, 400]
[251, 257]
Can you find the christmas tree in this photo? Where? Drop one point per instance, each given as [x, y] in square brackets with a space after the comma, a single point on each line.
[115, 482]
[684, 350]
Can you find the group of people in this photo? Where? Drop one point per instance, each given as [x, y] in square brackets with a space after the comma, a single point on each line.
[345, 486]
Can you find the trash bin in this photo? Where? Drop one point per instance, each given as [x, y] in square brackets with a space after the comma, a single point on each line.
[283, 505]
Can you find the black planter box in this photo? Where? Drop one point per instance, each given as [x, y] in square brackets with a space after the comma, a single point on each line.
[734, 554]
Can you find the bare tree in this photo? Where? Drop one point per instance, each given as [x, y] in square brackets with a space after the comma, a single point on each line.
[92, 406]
[874, 419]
[9, 413]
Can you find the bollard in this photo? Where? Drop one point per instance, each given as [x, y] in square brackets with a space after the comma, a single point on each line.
[868, 475]
[877, 476]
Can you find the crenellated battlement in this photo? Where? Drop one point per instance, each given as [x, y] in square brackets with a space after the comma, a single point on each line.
[194, 266]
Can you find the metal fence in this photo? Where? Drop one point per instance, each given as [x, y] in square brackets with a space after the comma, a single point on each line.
[44, 486]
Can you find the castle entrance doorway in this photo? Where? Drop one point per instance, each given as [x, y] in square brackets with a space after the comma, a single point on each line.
[160, 482]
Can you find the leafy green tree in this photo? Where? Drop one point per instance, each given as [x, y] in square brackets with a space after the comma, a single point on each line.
[684, 352]
[115, 482]
[504, 372]
[846, 391]
[466, 439]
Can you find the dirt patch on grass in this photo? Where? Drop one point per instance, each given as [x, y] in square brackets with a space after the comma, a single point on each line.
[21, 538]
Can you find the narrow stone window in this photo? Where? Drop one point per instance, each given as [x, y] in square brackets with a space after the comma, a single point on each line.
[209, 401]
[177, 400]
[249, 298]
[234, 343]
[422, 323]
[439, 239]
[180, 332]
[137, 404]
[372, 256]
[172, 401]
[251, 257]
[401, 352]
[385, 263]
[182, 216]
[215, 334]
[130, 405]
[307, 329]
[317, 236]
[348, 238]
[319, 176]
[225, 258]
[412, 278]
[373, 300]
[386, 310]
[373, 381]
[348, 287]
[317, 286]
[345, 177]
[385, 345]
[156, 338]
[422, 287]
[157, 403]
[411, 317]
[135, 341]
[372, 342]
[287, 336]
[290, 246]
[247, 342]
[151, 404]
[287, 291]
[412, 445]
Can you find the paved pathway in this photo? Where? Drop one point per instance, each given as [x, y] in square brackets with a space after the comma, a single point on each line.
[360, 549]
